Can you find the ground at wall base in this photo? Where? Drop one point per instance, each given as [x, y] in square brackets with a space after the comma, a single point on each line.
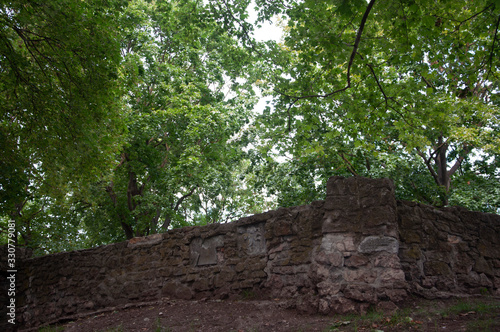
[416, 314]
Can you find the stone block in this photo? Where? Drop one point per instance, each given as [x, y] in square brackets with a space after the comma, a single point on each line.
[485, 281]
[282, 228]
[177, 290]
[342, 203]
[204, 251]
[328, 288]
[202, 284]
[342, 305]
[390, 276]
[373, 244]
[387, 261]
[409, 236]
[377, 215]
[483, 266]
[323, 307]
[252, 240]
[357, 260]
[300, 257]
[282, 269]
[338, 222]
[337, 242]
[332, 258]
[437, 268]
[340, 186]
[144, 241]
[362, 275]
[363, 293]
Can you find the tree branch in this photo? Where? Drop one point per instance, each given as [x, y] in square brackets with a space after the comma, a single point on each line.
[243, 28]
[351, 61]
[493, 48]
[471, 17]
[379, 85]
[427, 162]
[459, 162]
[179, 202]
[350, 168]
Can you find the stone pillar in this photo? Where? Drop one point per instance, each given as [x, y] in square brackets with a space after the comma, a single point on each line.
[357, 263]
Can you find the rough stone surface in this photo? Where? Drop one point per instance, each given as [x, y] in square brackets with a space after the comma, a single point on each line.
[448, 250]
[356, 249]
[372, 244]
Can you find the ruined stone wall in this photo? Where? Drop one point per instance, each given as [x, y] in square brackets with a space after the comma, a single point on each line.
[340, 255]
[449, 251]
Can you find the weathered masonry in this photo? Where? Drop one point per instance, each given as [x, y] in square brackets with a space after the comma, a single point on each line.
[359, 247]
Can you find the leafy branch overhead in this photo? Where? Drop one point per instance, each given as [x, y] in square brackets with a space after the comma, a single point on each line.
[417, 77]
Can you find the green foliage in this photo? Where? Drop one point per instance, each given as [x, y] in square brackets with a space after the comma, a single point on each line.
[58, 94]
[186, 109]
[60, 109]
[401, 89]
[184, 93]
[127, 118]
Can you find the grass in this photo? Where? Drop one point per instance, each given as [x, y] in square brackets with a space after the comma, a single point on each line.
[372, 319]
[464, 307]
[485, 325]
[247, 294]
[375, 322]
[480, 313]
[160, 328]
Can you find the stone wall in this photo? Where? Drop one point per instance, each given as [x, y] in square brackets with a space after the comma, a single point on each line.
[449, 251]
[356, 249]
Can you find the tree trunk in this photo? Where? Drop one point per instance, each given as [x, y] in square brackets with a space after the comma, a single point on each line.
[439, 170]
[166, 222]
[154, 221]
[132, 191]
[16, 216]
[129, 232]
[443, 176]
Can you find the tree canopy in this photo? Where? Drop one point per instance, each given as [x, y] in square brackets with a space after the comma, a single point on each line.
[59, 98]
[125, 118]
[408, 90]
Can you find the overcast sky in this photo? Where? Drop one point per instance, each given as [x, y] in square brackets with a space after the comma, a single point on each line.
[268, 31]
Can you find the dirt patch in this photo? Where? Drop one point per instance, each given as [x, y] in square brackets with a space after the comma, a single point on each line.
[477, 314]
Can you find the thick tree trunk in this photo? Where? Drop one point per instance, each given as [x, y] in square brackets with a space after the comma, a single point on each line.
[443, 177]
[16, 216]
[132, 191]
[439, 171]
[129, 232]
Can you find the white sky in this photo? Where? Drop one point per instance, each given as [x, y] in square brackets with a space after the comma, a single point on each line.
[268, 31]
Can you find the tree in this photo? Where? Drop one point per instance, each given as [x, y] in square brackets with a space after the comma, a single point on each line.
[184, 88]
[188, 100]
[370, 85]
[59, 98]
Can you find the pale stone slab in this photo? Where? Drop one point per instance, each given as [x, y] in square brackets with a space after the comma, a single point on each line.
[379, 243]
